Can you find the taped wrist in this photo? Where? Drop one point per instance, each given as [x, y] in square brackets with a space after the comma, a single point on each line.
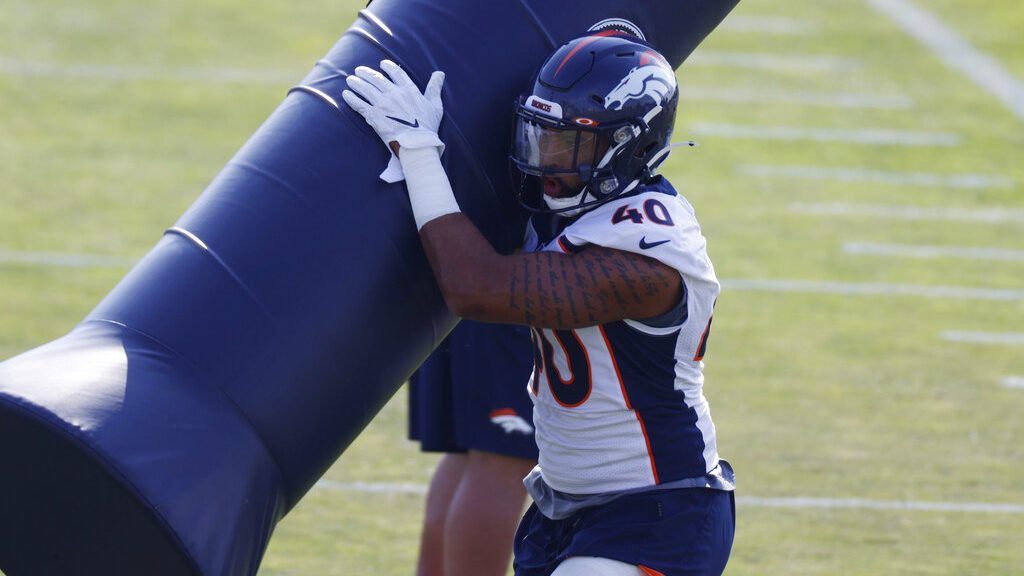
[430, 192]
[411, 139]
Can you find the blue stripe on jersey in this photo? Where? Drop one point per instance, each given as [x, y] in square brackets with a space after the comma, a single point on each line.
[646, 364]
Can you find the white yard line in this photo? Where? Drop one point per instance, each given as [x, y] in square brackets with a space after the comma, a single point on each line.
[372, 487]
[966, 181]
[985, 71]
[1016, 382]
[983, 215]
[64, 260]
[918, 251]
[1000, 338]
[872, 136]
[863, 503]
[847, 100]
[754, 501]
[767, 25]
[10, 67]
[88, 260]
[768, 62]
[875, 289]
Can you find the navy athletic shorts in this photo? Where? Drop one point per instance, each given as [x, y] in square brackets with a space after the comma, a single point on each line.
[677, 532]
[470, 394]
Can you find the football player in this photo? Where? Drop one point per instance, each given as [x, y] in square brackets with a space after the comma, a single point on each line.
[467, 401]
[616, 286]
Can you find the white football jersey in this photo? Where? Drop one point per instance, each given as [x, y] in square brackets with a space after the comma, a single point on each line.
[620, 406]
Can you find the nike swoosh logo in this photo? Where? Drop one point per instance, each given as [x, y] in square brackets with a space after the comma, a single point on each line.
[644, 245]
[413, 124]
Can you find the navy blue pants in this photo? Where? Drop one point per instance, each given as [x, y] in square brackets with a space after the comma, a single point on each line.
[681, 532]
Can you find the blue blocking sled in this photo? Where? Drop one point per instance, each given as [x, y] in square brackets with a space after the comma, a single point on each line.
[191, 410]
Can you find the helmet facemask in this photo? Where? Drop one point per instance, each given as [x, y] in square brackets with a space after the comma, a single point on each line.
[557, 161]
[582, 160]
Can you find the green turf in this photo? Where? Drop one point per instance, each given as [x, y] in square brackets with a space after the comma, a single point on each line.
[815, 395]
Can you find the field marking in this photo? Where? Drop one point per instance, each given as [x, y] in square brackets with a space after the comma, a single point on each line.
[88, 260]
[790, 502]
[65, 260]
[1001, 338]
[863, 503]
[372, 487]
[917, 251]
[966, 181]
[846, 100]
[881, 136]
[873, 289]
[764, 61]
[250, 76]
[9, 67]
[1016, 382]
[984, 215]
[985, 71]
[767, 25]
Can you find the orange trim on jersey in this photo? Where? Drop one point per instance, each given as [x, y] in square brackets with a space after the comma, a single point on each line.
[702, 347]
[580, 46]
[502, 412]
[629, 405]
[561, 244]
[649, 571]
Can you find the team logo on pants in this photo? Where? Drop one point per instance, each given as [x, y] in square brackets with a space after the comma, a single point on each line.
[510, 421]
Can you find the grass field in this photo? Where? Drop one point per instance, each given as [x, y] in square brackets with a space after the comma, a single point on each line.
[864, 208]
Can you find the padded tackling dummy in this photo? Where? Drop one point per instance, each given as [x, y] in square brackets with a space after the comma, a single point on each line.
[171, 429]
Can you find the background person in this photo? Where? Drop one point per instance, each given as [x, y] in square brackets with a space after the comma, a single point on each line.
[468, 401]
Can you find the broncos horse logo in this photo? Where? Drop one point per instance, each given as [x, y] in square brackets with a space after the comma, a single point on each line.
[645, 80]
[510, 421]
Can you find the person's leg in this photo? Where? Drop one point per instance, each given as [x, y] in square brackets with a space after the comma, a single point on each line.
[484, 513]
[443, 485]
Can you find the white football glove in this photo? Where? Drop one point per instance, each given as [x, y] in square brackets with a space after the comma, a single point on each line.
[396, 110]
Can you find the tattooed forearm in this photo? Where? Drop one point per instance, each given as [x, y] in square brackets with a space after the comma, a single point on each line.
[557, 301]
[570, 292]
[631, 281]
[607, 264]
[599, 298]
[540, 263]
[646, 271]
[513, 292]
[582, 293]
[529, 312]
[595, 286]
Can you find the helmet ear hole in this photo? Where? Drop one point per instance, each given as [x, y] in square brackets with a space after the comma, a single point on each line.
[644, 151]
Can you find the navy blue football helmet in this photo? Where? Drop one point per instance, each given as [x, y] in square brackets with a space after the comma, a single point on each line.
[596, 123]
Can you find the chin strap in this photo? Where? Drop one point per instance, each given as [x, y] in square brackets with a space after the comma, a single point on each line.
[563, 203]
[656, 160]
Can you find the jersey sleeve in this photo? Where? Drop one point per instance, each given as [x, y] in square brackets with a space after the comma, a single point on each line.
[653, 224]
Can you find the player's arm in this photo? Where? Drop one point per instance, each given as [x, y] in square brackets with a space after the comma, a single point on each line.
[544, 289]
